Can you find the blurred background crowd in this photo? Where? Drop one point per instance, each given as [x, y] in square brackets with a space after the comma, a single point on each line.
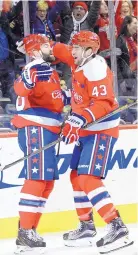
[115, 21]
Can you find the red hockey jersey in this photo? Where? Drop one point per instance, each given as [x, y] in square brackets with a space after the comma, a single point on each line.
[92, 91]
[42, 105]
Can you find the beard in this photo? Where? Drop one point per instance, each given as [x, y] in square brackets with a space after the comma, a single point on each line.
[48, 58]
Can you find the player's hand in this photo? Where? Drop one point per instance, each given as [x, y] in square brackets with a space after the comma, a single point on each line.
[73, 124]
[32, 71]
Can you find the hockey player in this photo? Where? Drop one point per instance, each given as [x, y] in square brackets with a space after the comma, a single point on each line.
[92, 98]
[39, 107]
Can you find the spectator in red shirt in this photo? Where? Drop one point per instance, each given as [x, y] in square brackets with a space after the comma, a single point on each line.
[124, 9]
[127, 60]
[102, 28]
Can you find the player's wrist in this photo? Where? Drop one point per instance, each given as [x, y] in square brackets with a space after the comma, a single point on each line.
[88, 116]
[79, 118]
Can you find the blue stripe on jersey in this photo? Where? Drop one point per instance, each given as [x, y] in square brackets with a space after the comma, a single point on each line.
[100, 197]
[42, 203]
[43, 112]
[43, 71]
[34, 203]
[43, 76]
[113, 117]
[42, 67]
[81, 199]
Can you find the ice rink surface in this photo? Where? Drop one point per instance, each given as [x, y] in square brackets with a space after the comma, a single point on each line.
[55, 245]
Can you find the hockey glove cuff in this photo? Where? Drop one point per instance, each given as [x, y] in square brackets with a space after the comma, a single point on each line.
[70, 132]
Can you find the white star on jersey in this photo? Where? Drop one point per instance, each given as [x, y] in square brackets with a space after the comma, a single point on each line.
[101, 147]
[34, 130]
[98, 166]
[34, 170]
[34, 149]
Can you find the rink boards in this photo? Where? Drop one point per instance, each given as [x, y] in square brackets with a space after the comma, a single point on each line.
[59, 212]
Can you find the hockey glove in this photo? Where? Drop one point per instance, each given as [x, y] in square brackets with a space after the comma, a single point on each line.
[70, 132]
[36, 70]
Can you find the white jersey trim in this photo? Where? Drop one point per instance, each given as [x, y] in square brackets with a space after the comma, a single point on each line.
[83, 205]
[104, 125]
[41, 120]
[90, 112]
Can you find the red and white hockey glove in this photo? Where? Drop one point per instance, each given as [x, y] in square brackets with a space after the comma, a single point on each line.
[70, 132]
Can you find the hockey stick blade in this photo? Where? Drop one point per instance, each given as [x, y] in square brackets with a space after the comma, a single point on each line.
[118, 110]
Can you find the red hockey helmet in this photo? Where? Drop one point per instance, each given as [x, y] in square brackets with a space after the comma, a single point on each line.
[33, 43]
[87, 39]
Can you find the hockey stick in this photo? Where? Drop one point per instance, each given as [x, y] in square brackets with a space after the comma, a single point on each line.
[118, 110]
[66, 117]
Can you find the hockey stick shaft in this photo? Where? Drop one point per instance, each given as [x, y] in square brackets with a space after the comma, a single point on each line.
[118, 110]
[39, 150]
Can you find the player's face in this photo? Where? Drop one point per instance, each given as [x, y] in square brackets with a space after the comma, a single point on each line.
[46, 52]
[45, 49]
[77, 53]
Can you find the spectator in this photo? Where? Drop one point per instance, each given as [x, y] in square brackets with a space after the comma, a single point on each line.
[135, 7]
[6, 5]
[66, 93]
[128, 46]
[7, 74]
[11, 27]
[124, 8]
[42, 18]
[129, 115]
[15, 17]
[102, 29]
[79, 19]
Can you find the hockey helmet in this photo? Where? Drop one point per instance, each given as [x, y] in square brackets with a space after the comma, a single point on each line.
[33, 43]
[87, 39]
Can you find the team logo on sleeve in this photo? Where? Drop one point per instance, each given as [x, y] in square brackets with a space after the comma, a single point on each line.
[77, 98]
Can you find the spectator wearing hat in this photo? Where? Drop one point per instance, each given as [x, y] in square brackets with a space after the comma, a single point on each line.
[80, 18]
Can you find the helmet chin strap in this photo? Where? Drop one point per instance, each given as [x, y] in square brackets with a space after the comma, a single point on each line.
[40, 52]
[41, 56]
[85, 58]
